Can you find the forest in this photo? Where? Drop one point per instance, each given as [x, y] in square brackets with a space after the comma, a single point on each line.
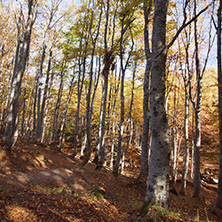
[111, 110]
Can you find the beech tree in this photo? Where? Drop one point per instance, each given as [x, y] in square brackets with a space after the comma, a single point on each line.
[144, 146]
[108, 63]
[158, 179]
[197, 104]
[22, 54]
[89, 100]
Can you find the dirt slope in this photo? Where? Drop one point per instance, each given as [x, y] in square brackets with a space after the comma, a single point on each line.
[40, 184]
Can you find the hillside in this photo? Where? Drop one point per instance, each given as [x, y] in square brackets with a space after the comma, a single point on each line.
[42, 184]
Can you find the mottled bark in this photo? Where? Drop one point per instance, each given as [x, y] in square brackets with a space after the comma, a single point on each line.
[158, 179]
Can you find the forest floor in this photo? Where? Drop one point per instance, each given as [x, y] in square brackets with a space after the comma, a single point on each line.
[38, 183]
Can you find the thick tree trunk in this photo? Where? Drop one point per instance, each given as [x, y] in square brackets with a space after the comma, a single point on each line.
[158, 179]
[219, 58]
[11, 132]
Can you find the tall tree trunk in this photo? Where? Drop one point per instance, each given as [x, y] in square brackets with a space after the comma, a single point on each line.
[101, 131]
[89, 105]
[121, 124]
[47, 97]
[192, 146]
[113, 114]
[80, 87]
[186, 80]
[175, 148]
[145, 135]
[158, 179]
[62, 128]
[129, 125]
[219, 58]
[11, 132]
[197, 183]
[108, 63]
[39, 115]
[23, 111]
[186, 147]
[45, 92]
[58, 103]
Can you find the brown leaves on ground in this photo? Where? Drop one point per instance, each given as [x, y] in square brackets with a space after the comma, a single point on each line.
[41, 184]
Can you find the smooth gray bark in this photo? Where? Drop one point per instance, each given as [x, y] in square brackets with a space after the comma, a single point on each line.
[22, 54]
[158, 179]
[145, 135]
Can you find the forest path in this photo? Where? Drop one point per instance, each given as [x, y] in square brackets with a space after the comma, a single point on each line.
[38, 183]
